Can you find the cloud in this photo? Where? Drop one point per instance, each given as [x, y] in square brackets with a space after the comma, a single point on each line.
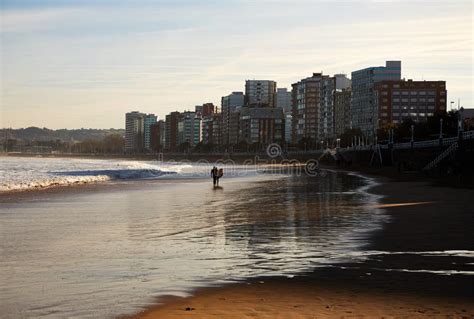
[37, 19]
[92, 63]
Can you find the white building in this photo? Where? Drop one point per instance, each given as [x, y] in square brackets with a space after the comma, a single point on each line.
[229, 104]
[364, 113]
[134, 129]
[189, 129]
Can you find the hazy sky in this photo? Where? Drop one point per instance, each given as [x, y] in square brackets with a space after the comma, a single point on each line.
[72, 64]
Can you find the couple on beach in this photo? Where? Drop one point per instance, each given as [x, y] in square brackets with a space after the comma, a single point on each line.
[216, 174]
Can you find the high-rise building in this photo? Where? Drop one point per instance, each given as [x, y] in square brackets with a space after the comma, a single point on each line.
[205, 109]
[234, 127]
[229, 105]
[288, 124]
[171, 131]
[148, 120]
[134, 130]
[211, 129]
[207, 126]
[342, 111]
[283, 99]
[260, 93]
[261, 125]
[364, 114]
[217, 129]
[189, 129]
[313, 109]
[157, 138]
[397, 101]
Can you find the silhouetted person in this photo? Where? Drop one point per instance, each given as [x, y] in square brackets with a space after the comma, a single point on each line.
[216, 174]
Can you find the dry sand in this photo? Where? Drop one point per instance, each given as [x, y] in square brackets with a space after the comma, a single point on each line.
[444, 221]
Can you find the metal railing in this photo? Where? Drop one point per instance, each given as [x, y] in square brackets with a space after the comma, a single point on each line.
[420, 144]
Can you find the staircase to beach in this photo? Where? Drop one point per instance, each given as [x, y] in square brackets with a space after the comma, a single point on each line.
[447, 152]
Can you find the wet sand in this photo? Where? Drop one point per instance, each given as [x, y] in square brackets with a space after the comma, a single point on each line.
[409, 285]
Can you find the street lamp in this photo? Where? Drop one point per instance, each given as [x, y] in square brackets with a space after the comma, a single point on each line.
[461, 120]
[412, 130]
[440, 128]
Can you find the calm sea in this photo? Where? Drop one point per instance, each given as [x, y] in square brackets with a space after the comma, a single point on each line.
[110, 250]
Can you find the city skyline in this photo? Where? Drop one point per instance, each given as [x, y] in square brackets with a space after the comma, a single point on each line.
[126, 57]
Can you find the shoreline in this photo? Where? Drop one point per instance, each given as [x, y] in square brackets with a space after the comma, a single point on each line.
[390, 284]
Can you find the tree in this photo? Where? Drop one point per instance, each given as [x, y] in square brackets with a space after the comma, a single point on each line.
[113, 143]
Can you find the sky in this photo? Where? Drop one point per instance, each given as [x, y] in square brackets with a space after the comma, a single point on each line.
[84, 63]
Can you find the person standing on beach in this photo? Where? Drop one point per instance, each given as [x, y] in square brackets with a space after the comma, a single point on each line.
[214, 174]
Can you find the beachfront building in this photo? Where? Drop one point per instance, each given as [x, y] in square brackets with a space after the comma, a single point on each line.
[313, 110]
[171, 131]
[262, 125]
[283, 99]
[217, 129]
[234, 127]
[288, 123]
[468, 119]
[260, 93]
[207, 129]
[204, 110]
[397, 101]
[148, 120]
[189, 129]
[364, 112]
[229, 105]
[134, 129]
[342, 111]
[157, 136]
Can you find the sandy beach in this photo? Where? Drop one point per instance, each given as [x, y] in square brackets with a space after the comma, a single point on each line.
[412, 283]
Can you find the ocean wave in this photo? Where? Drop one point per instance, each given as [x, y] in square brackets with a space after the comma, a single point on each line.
[65, 178]
[50, 182]
[115, 174]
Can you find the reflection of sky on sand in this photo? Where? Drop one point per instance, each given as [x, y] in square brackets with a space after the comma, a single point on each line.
[109, 252]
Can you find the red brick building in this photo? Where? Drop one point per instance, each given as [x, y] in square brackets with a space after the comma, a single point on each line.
[398, 101]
